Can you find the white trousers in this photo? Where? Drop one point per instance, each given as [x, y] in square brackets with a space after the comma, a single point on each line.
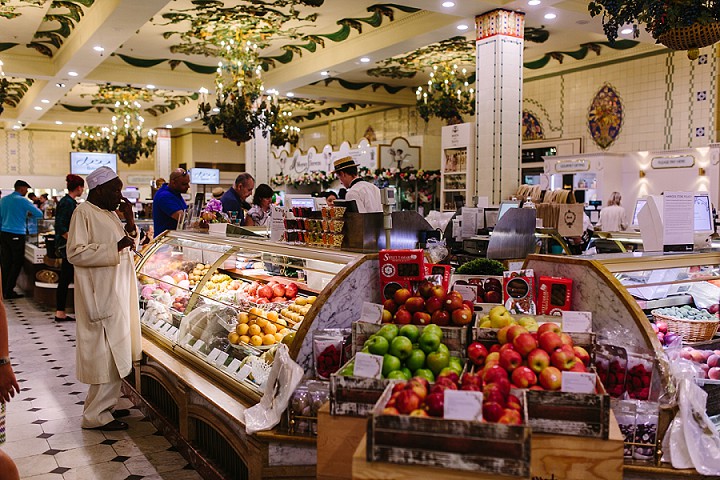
[101, 399]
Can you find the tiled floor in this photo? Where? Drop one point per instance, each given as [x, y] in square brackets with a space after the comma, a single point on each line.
[43, 422]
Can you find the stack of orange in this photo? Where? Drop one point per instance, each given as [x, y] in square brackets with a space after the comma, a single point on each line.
[258, 327]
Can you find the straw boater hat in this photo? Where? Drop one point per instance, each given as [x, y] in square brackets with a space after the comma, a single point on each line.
[343, 163]
[217, 192]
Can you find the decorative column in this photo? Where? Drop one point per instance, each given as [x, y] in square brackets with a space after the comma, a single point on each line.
[498, 102]
[163, 153]
[257, 157]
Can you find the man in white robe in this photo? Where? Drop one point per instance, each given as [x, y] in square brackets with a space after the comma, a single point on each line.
[106, 297]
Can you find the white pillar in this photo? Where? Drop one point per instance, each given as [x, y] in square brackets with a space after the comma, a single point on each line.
[498, 102]
[163, 153]
[257, 157]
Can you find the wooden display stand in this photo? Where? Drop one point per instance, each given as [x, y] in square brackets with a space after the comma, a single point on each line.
[338, 438]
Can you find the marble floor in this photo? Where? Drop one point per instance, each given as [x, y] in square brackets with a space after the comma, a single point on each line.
[43, 422]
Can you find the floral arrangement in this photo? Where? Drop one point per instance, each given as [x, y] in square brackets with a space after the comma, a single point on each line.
[212, 213]
[279, 180]
[304, 179]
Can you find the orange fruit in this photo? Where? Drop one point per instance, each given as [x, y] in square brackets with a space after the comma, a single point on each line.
[256, 340]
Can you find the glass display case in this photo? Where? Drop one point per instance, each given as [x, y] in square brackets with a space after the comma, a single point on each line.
[38, 229]
[225, 303]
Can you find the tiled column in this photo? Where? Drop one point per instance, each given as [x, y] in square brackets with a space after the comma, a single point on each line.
[163, 153]
[498, 102]
[257, 157]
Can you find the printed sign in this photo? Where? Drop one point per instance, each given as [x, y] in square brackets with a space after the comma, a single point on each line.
[463, 405]
[578, 382]
[84, 163]
[579, 165]
[675, 161]
[367, 365]
[205, 176]
[577, 321]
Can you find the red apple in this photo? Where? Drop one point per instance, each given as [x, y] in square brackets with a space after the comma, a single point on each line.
[504, 385]
[462, 316]
[549, 327]
[422, 381]
[402, 317]
[440, 317]
[390, 305]
[538, 360]
[447, 382]
[551, 378]
[425, 289]
[510, 360]
[524, 344]
[549, 341]
[492, 411]
[566, 339]
[451, 375]
[582, 355]
[407, 401]
[502, 334]
[291, 290]
[415, 304]
[562, 359]
[438, 291]
[514, 331]
[492, 284]
[477, 353]
[453, 301]
[513, 402]
[278, 290]
[493, 393]
[419, 413]
[435, 403]
[433, 304]
[510, 417]
[401, 295]
[470, 379]
[578, 367]
[420, 388]
[469, 304]
[390, 411]
[507, 346]
[523, 377]
[492, 296]
[265, 292]
[492, 374]
[473, 388]
[421, 318]
[495, 347]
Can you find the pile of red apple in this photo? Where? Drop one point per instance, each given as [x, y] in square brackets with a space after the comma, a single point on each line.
[533, 360]
[489, 290]
[707, 360]
[430, 304]
[417, 398]
[271, 292]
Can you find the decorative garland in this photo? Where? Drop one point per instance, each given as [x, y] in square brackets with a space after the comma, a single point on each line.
[320, 178]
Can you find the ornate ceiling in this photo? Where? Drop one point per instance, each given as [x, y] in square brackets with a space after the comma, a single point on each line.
[68, 61]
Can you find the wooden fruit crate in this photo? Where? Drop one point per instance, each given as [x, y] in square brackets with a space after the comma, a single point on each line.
[489, 335]
[456, 338]
[354, 396]
[459, 444]
[576, 414]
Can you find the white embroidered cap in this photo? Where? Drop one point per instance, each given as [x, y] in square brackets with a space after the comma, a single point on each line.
[100, 176]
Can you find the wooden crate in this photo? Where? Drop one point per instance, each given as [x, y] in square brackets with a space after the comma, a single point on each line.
[354, 396]
[489, 335]
[563, 413]
[338, 437]
[455, 338]
[435, 442]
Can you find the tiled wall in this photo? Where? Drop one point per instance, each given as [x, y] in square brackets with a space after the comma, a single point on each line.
[669, 101]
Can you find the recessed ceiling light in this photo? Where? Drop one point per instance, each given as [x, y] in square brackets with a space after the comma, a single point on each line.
[365, 60]
[60, 85]
[188, 119]
[38, 108]
[45, 100]
[58, 122]
[448, 4]
[550, 16]
[532, 3]
[150, 86]
[462, 27]
[98, 48]
[290, 94]
[16, 127]
[324, 73]
[216, 109]
[73, 74]
[168, 126]
[626, 31]
[203, 90]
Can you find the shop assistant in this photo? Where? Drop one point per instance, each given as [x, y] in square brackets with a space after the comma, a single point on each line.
[365, 194]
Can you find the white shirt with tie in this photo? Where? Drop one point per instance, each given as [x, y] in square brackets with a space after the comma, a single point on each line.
[366, 195]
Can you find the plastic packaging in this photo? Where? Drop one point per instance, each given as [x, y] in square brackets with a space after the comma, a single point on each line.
[436, 249]
[625, 415]
[646, 425]
[304, 406]
[611, 364]
[327, 351]
[639, 376]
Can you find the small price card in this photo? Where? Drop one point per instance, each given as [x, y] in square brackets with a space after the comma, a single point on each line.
[371, 313]
[577, 322]
[578, 382]
[173, 331]
[221, 359]
[213, 355]
[186, 339]
[463, 405]
[367, 365]
[243, 373]
[166, 328]
[198, 345]
[158, 325]
[234, 365]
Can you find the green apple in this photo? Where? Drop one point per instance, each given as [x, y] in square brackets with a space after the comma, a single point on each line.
[456, 364]
[436, 361]
[416, 360]
[377, 345]
[429, 342]
[389, 331]
[365, 350]
[390, 364]
[407, 372]
[425, 373]
[397, 375]
[443, 348]
[401, 347]
[347, 370]
[432, 328]
[410, 331]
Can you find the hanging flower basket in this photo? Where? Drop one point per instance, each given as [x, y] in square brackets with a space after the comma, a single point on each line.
[691, 38]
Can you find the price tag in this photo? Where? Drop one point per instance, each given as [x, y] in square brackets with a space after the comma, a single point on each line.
[213, 355]
[368, 365]
[186, 339]
[234, 365]
[198, 345]
[173, 331]
[158, 325]
[578, 382]
[243, 373]
[221, 359]
[371, 313]
[166, 328]
[468, 292]
[463, 405]
[577, 322]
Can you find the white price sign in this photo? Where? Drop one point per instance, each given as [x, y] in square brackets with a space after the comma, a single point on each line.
[234, 365]
[463, 405]
[371, 313]
[198, 345]
[577, 322]
[367, 365]
[243, 373]
[578, 382]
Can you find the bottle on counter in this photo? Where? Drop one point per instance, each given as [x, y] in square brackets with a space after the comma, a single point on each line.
[528, 203]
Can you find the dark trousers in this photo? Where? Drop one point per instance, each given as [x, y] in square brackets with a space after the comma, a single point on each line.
[67, 274]
[12, 246]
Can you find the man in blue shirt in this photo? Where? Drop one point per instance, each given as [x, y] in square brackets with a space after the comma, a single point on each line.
[168, 204]
[234, 199]
[14, 211]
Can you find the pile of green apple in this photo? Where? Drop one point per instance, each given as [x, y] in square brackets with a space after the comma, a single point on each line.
[410, 351]
[500, 317]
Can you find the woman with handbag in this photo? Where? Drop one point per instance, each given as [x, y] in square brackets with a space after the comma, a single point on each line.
[65, 208]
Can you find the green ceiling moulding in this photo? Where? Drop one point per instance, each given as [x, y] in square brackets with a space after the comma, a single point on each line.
[68, 14]
[580, 53]
[14, 90]
[360, 85]
[6, 46]
[150, 62]
[11, 11]
[326, 112]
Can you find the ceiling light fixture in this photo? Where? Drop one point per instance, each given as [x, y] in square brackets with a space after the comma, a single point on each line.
[168, 126]
[73, 74]
[532, 3]
[188, 119]
[45, 100]
[216, 109]
[365, 60]
[550, 16]
[38, 108]
[58, 122]
[98, 48]
[290, 94]
[203, 90]
[448, 4]
[150, 86]
[16, 127]
[626, 31]
[60, 85]
[462, 27]
[324, 73]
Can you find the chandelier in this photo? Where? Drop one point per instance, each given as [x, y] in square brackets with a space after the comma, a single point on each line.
[125, 137]
[282, 132]
[448, 94]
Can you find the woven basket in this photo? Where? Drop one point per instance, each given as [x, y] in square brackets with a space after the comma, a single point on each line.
[689, 330]
[694, 36]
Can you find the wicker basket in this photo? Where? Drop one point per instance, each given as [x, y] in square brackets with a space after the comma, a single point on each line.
[689, 330]
[694, 36]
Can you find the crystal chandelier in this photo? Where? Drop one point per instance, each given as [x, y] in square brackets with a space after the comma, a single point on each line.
[91, 139]
[448, 94]
[282, 132]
